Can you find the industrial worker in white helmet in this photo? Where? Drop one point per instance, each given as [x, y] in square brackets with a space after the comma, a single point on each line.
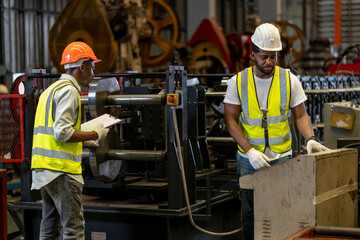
[257, 107]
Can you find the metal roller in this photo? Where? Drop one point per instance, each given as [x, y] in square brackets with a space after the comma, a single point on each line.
[212, 95]
[148, 99]
[98, 91]
[220, 140]
[104, 97]
[136, 155]
[337, 231]
[84, 100]
[105, 160]
[102, 168]
[215, 95]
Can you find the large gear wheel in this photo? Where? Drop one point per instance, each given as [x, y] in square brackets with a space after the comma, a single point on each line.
[82, 20]
[292, 43]
[159, 36]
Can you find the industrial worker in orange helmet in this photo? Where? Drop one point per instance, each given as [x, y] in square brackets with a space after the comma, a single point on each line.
[258, 103]
[57, 146]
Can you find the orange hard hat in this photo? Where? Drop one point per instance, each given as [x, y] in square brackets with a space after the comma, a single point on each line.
[77, 50]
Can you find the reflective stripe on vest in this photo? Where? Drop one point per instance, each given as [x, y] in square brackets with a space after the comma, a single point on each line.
[251, 117]
[48, 153]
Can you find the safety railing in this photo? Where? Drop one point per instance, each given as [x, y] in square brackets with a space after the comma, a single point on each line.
[12, 132]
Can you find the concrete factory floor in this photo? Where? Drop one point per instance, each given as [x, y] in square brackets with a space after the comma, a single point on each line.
[12, 230]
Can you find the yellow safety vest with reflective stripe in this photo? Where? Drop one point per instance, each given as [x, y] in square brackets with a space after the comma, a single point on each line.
[273, 129]
[48, 153]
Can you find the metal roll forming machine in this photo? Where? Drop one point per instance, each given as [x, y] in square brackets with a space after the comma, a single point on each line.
[133, 184]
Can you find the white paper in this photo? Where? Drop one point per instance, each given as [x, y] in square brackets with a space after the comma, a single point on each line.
[106, 119]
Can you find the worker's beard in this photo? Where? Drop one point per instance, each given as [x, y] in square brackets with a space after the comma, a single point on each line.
[264, 71]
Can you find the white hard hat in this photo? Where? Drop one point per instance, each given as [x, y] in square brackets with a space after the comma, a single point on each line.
[3, 89]
[267, 37]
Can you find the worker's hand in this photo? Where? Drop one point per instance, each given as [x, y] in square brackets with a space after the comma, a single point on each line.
[101, 132]
[257, 159]
[313, 146]
[91, 144]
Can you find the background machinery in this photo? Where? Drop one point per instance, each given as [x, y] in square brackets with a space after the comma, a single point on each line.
[128, 35]
[134, 176]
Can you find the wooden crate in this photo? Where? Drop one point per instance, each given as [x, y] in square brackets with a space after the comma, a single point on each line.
[313, 189]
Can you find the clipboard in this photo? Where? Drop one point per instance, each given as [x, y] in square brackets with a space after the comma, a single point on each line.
[106, 119]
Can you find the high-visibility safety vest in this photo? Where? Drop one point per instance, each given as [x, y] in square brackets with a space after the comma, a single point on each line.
[269, 127]
[48, 153]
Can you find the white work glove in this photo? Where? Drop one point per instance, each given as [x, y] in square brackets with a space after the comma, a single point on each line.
[91, 144]
[101, 132]
[313, 146]
[257, 159]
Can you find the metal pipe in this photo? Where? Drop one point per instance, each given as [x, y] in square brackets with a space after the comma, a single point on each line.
[154, 99]
[208, 195]
[337, 231]
[86, 153]
[138, 75]
[210, 75]
[133, 75]
[136, 155]
[211, 95]
[220, 140]
[337, 90]
[45, 75]
[108, 75]
[214, 95]
[84, 99]
[145, 99]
